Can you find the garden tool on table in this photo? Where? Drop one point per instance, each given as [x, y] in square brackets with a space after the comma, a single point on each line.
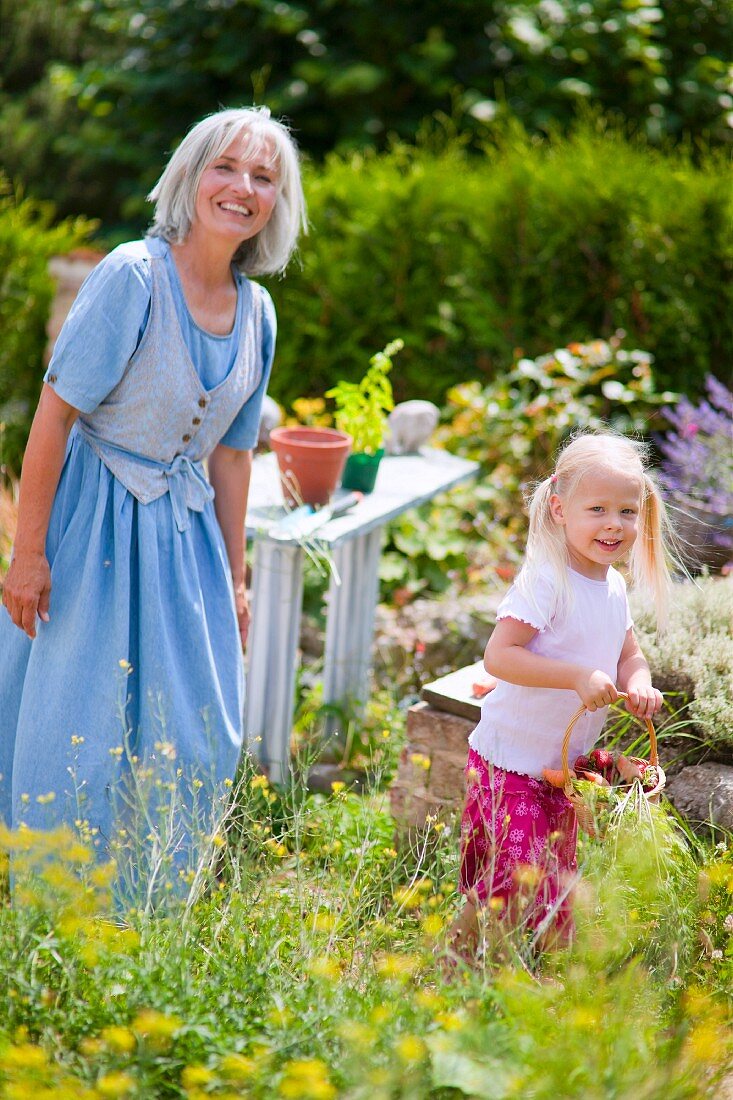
[307, 518]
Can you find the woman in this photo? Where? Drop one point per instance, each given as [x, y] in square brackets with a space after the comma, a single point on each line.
[126, 601]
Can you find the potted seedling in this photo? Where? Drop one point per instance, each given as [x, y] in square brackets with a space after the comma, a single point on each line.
[361, 412]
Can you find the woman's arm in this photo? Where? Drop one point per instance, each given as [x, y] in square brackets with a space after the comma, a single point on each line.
[27, 588]
[507, 657]
[635, 679]
[229, 472]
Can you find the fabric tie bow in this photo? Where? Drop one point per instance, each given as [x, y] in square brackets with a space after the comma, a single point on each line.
[189, 490]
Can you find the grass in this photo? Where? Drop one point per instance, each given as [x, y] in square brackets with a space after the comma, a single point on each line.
[310, 962]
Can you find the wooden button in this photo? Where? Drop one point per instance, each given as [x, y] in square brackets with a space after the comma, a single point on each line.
[186, 438]
[52, 378]
[196, 420]
[202, 402]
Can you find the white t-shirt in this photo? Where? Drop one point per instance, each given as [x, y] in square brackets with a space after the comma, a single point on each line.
[521, 729]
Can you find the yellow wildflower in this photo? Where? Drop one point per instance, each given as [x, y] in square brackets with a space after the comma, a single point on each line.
[25, 1056]
[397, 967]
[307, 1079]
[450, 1021]
[237, 1067]
[323, 967]
[407, 897]
[119, 1039]
[410, 1049]
[337, 786]
[420, 760]
[432, 925]
[193, 1076]
[115, 1084]
[155, 1025]
[260, 782]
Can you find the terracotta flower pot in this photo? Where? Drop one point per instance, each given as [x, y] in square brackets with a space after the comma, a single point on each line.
[311, 461]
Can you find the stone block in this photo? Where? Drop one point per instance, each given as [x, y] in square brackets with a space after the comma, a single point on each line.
[429, 729]
[704, 793]
[439, 790]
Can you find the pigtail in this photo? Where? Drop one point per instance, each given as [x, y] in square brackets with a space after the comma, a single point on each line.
[545, 546]
[653, 550]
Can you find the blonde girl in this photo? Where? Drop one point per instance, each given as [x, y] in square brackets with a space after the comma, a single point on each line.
[564, 633]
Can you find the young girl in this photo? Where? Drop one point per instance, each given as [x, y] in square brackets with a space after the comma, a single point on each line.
[563, 634]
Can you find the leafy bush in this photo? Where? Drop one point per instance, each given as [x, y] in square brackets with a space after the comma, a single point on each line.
[28, 239]
[528, 246]
[102, 90]
[695, 655]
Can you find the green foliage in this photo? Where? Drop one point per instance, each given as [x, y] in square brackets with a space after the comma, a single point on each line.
[528, 246]
[107, 87]
[309, 966]
[362, 407]
[28, 239]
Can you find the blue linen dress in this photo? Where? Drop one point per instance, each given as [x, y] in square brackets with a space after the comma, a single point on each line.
[141, 660]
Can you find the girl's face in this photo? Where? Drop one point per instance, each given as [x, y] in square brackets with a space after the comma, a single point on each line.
[237, 192]
[601, 520]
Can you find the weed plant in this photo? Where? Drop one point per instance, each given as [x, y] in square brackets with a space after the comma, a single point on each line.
[308, 959]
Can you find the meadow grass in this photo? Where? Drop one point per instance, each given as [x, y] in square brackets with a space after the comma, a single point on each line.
[308, 959]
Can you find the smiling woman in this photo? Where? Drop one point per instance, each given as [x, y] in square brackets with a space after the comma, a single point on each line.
[126, 599]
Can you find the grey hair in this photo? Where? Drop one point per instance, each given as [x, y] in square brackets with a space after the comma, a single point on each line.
[175, 192]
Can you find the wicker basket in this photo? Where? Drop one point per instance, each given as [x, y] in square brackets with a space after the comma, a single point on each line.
[583, 811]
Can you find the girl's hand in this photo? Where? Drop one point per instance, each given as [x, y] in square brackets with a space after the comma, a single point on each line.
[643, 700]
[241, 603]
[27, 590]
[595, 688]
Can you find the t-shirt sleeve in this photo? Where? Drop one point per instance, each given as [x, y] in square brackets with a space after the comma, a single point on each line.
[531, 600]
[243, 432]
[102, 331]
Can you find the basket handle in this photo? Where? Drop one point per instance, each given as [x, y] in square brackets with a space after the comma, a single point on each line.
[653, 757]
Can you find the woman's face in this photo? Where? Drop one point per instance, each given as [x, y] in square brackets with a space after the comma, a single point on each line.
[237, 192]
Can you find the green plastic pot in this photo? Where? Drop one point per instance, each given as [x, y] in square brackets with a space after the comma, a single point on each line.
[360, 471]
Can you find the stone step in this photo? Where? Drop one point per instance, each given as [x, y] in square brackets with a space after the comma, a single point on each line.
[454, 693]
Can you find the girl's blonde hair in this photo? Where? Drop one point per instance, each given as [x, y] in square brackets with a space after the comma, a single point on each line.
[651, 552]
[174, 194]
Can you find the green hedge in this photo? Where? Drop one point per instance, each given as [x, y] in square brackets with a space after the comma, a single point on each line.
[27, 241]
[531, 246]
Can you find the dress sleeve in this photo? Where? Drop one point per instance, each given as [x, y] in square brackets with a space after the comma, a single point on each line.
[243, 432]
[102, 331]
[531, 600]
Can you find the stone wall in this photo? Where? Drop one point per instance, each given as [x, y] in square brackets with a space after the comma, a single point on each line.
[430, 779]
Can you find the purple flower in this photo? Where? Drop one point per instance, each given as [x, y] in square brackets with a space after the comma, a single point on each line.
[697, 466]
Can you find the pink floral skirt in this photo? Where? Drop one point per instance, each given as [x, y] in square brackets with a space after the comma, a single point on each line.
[518, 841]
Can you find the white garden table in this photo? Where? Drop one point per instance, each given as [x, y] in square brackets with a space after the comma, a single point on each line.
[354, 542]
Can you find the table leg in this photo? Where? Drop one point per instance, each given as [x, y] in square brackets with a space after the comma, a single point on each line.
[277, 598]
[350, 621]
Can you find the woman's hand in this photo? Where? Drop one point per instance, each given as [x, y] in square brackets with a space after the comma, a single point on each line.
[27, 587]
[27, 590]
[643, 701]
[595, 688]
[241, 603]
